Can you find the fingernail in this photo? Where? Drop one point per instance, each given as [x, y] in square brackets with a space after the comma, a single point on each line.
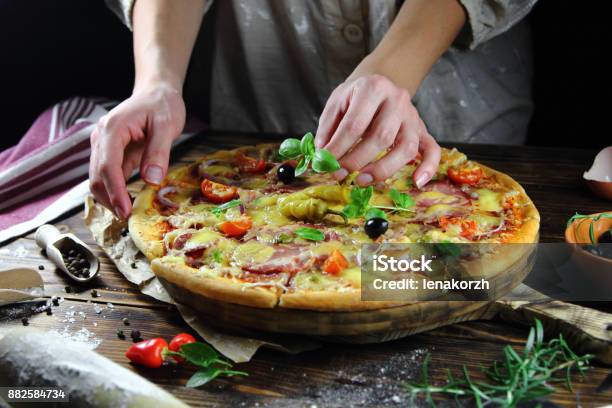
[119, 212]
[364, 179]
[341, 174]
[422, 179]
[318, 143]
[153, 174]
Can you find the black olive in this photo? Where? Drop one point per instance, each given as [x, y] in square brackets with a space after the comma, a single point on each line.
[286, 173]
[375, 227]
[605, 238]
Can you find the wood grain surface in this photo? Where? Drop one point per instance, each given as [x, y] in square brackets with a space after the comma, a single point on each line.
[336, 374]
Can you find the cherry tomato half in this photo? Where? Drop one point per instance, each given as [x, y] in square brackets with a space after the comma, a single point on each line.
[335, 263]
[248, 164]
[236, 228]
[465, 175]
[218, 193]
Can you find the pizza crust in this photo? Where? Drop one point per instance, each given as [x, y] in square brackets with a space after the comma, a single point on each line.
[222, 289]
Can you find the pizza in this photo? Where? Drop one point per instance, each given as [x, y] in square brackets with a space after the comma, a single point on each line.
[253, 227]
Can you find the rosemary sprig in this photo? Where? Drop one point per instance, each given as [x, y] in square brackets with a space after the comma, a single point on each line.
[517, 378]
[594, 219]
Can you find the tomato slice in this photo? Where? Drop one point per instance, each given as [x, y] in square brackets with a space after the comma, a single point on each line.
[465, 175]
[335, 263]
[248, 164]
[236, 228]
[218, 193]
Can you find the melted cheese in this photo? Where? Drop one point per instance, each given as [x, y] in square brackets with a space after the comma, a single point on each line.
[252, 252]
[436, 196]
[201, 238]
[488, 200]
[438, 210]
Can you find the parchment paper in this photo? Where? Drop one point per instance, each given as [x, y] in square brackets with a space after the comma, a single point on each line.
[107, 231]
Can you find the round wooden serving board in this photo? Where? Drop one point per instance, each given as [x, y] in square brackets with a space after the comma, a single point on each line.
[359, 326]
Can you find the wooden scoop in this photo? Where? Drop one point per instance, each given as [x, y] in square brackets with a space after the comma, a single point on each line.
[57, 246]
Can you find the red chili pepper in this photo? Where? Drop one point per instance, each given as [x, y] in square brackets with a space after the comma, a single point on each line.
[248, 164]
[218, 193]
[148, 353]
[176, 343]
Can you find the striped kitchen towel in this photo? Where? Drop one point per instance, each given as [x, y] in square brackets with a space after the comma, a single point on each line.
[45, 175]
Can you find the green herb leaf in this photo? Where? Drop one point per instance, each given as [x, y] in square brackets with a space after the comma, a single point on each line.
[375, 213]
[302, 166]
[311, 234]
[225, 206]
[200, 354]
[359, 201]
[290, 149]
[217, 257]
[307, 145]
[203, 376]
[401, 200]
[324, 162]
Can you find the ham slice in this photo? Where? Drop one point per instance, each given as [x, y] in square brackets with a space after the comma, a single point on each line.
[285, 259]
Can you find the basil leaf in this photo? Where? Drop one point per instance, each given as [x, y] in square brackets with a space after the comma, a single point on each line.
[226, 206]
[311, 234]
[351, 210]
[401, 200]
[203, 376]
[324, 162]
[359, 203]
[375, 213]
[200, 354]
[307, 145]
[290, 149]
[302, 166]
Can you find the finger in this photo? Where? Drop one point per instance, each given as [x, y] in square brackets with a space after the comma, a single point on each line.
[378, 137]
[160, 135]
[431, 152]
[96, 185]
[132, 158]
[330, 117]
[355, 122]
[111, 153]
[402, 152]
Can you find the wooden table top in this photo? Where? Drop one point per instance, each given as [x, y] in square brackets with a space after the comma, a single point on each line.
[334, 375]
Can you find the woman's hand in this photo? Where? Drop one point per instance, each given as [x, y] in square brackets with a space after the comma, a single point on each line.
[137, 133]
[367, 115]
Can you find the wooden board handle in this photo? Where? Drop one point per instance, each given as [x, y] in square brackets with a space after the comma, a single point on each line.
[585, 329]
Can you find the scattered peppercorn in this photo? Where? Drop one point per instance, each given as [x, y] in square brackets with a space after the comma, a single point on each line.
[120, 334]
[135, 335]
[124, 233]
[609, 327]
[125, 321]
[41, 267]
[68, 289]
[55, 301]
[134, 265]
[94, 293]
[24, 321]
[49, 311]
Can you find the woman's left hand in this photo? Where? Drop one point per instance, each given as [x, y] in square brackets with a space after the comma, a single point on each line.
[367, 115]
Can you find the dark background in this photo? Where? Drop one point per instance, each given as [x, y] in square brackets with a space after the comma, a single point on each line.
[51, 50]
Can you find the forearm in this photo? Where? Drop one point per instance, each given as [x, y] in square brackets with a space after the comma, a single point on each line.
[422, 31]
[164, 34]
